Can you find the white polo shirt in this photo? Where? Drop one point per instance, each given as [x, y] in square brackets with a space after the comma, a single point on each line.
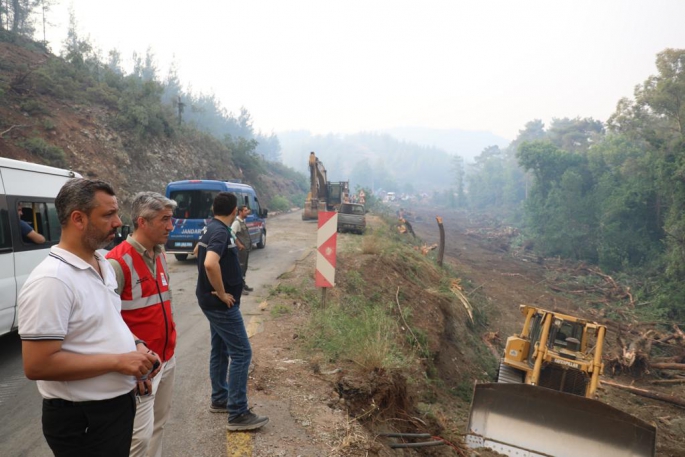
[65, 299]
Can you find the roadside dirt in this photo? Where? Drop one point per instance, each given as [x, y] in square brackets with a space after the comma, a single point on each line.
[322, 409]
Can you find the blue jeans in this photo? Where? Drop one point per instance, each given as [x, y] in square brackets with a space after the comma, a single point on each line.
[229, 342]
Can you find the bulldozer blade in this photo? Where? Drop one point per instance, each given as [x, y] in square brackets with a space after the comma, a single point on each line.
[524, 420]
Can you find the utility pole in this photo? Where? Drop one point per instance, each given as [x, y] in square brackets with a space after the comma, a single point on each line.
[181, 107]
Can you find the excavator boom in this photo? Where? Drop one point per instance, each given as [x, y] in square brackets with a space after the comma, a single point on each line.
[323, 195]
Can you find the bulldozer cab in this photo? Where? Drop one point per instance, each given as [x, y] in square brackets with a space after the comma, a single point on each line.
[564, 334]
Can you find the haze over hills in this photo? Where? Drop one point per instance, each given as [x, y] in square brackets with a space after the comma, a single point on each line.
[465, 143]
[390, 159]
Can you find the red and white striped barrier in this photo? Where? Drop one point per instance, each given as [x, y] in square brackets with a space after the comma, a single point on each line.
[326, 240]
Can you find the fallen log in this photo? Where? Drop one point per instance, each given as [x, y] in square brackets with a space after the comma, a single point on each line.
[668, 381]
[668, 366]
[649, 394]
[13, 127]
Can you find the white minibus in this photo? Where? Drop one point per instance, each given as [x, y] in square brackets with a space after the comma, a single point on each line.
[27, 200]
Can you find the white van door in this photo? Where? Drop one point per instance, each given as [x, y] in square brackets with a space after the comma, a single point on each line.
[8, 283]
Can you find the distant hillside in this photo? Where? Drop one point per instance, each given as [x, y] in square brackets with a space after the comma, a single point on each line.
[370, 160]
[465, 143]
[102, 123]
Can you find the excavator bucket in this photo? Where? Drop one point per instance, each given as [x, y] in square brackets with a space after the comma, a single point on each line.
[524, 420]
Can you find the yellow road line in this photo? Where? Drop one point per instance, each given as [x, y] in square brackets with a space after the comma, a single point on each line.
[239, 444]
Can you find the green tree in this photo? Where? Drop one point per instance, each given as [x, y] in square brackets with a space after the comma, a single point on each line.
[75, 50]
[575, 135]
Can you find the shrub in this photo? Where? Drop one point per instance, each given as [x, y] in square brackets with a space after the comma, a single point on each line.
[32, 107]
[279, 203]
[103, 94]
[366, 336]
[48, 124]
[51, 154]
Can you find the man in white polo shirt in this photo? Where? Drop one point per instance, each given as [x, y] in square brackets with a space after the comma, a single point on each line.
[74, 341]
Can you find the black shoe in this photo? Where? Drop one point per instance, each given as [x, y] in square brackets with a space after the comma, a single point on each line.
[218, 408]
[244, 292]
[248, 288]
[247, 421]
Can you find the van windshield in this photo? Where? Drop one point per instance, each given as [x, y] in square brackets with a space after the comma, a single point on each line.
[193, 204]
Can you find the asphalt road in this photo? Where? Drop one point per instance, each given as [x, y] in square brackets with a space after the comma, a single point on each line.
[192, 429]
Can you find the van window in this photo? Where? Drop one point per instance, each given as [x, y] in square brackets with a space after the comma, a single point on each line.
[193, 204]
[243, 199]
[5, 238]
[42, 217]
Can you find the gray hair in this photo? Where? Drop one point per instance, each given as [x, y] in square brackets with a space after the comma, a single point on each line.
[148, 204]
[78, 194]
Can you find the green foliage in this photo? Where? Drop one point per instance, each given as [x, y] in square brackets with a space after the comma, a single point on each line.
[48, 124]
[51, 154]
[104, 94]
[244, 155]
[279, 203]
[32, 107]
[288, 291]
[617, 197]
[351, 331]
[279, 310]
[140, 110]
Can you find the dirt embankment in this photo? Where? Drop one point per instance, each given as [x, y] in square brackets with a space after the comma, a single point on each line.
[94, 147]
[334, 408]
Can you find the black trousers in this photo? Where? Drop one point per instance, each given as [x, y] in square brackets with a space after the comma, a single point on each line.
[89, 428]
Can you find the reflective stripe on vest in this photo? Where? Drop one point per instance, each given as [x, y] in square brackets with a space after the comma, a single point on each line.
[141, 293]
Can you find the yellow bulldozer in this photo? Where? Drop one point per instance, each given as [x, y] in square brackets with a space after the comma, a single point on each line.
[543, 403]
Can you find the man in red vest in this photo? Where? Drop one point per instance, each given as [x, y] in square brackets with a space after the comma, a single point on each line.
[143, 284]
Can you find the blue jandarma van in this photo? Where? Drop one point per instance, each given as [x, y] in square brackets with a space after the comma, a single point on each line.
[194, 210]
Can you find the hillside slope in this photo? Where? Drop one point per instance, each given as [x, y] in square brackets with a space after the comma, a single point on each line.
[39, 125]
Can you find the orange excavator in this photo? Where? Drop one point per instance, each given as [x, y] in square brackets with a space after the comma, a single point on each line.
[323, 195]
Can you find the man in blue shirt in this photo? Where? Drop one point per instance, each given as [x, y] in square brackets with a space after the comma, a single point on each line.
[28, 235]
[219, 287]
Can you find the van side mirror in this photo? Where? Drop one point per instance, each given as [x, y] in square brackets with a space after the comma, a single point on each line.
[264, 213]
[120, 236]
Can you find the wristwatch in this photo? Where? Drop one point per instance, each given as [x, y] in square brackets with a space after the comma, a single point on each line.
[141, 342]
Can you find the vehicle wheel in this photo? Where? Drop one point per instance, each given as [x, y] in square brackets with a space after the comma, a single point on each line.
[509, 375]
[262, 240]
[181, 257]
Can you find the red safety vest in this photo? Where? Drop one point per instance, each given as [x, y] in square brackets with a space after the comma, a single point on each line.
[146, 300]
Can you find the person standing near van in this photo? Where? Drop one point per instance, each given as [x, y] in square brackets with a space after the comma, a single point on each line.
[242, 234]
[74, 340]
[143, 284]
[219, 287]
